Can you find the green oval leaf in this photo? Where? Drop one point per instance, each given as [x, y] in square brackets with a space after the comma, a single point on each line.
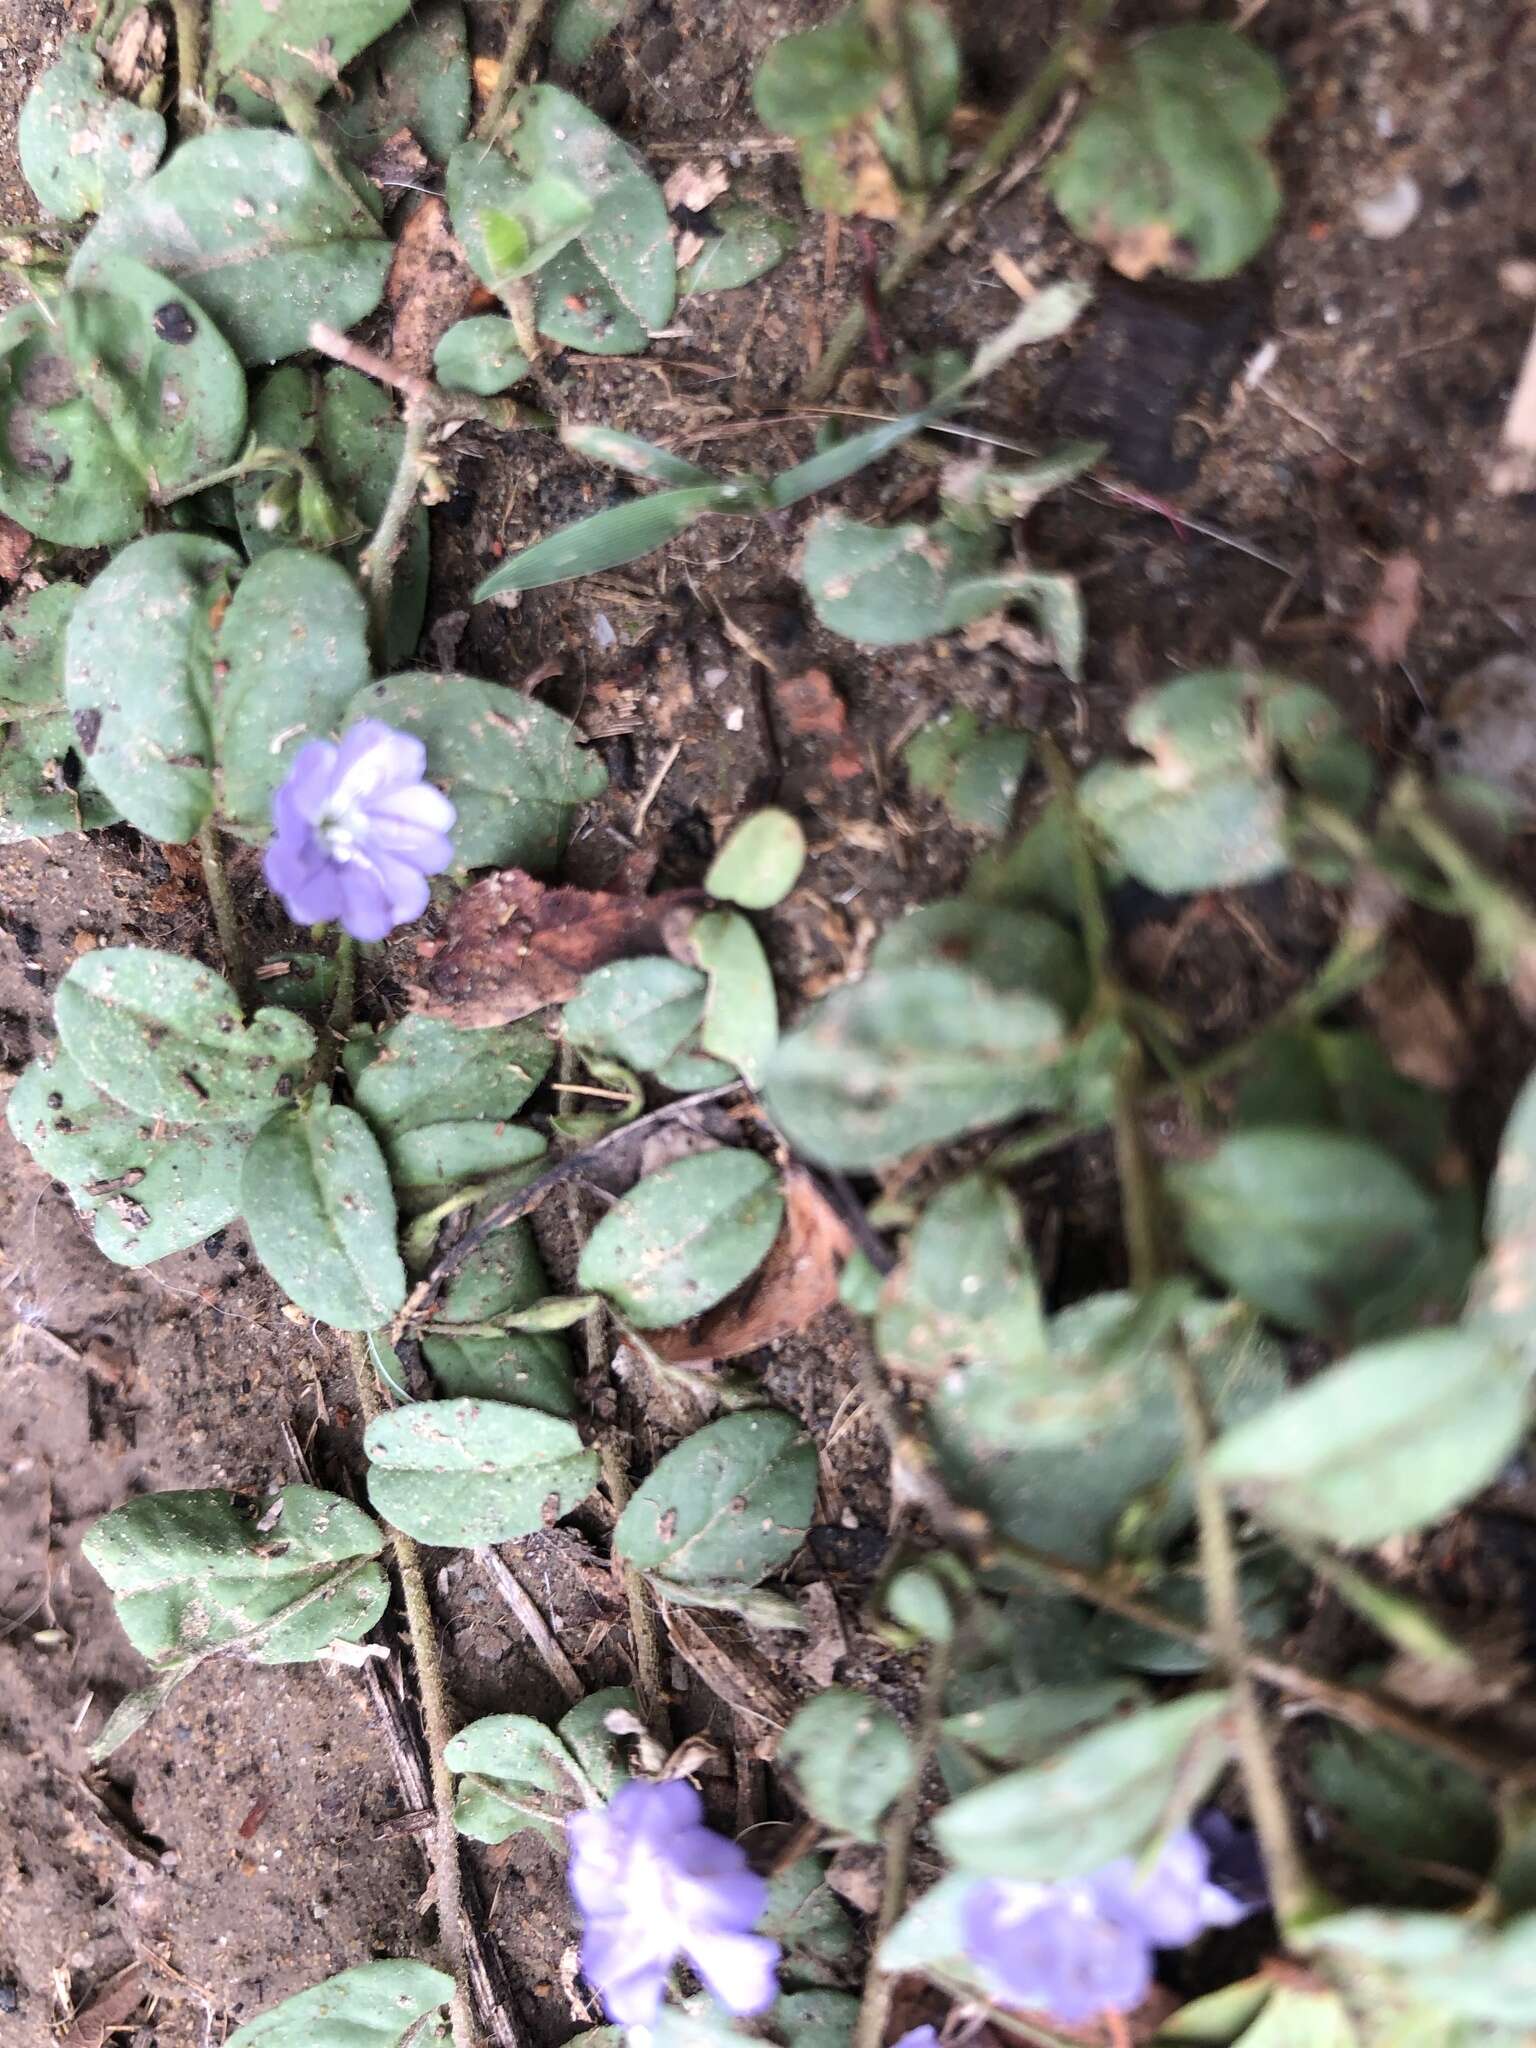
[116, 394]
[519, 1775]
[514, 769]
[317, 1198]
[642, 1012]
[1164, 171]
[38, 795]
[1019, 951]
[741, 1011]
[850, 1758]
[191, 1574]
[1322, 1231]
[684, 1238]
[416, 77]
[760, 861]
[145, 1188]
[298, 44]
[423, 1071]
[140, 700]
[1108, 1794]
[741, 243]
[426, 1165]
[462, 1473]
[907, 1057]
[163, 1035]
[818, 81]
[375, 2005]
[1387, 1441]
[729, 1505]
[252, 226]
[80, 145]
[481, 355]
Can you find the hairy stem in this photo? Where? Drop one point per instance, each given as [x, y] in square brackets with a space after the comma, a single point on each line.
[438, 1724]
[424, 394]
[382, 554]
[221, 897]
[875, 2005]
[892, 32]
[519, 35]
[1012, 131]
[188, 17]
[1294, 1894]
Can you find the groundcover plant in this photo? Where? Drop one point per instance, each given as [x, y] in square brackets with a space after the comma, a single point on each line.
[1108, 1793]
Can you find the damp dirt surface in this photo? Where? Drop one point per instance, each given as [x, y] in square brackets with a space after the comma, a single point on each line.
[1278, 441]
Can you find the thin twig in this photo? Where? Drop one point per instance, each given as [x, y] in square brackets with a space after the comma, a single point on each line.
[1016, 125]
[875, 2005]
[537, 1629]
[649, 1687]
[438, 404]
[382, 554]
[1293, 1891]
[438, 1723]
[220, 896]
[519, 35]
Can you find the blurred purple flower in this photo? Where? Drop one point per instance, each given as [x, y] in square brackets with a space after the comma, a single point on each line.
[918, 2037]
[1076, 1950]
[357, 830]
[651, 1883]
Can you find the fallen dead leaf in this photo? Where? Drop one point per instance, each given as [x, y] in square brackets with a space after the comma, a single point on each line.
[399, 161]
[1421, 1030]
[826, 1639]
[1386, 626]
[812, 709]
[137, 55]
[511, 945]
[15, 546]
[796, 1281]
[719, 1652]
[695, 186]
[428, 285]
[112, 2007]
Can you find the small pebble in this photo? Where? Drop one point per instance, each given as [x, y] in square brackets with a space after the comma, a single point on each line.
[1384, 215]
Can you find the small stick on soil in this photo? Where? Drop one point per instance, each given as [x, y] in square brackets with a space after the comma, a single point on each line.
[1017, 124]
[516, 1595]
[222, 900]
[439, 405]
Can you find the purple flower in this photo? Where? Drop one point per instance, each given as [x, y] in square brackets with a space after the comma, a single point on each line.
[918, 2037]
[357, 830]
[1076, 1950]
[651, 1883]
[1050, 1947]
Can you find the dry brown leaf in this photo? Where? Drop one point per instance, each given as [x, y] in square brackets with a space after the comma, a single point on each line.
[398, 161]
[1422, 1032]
[15, 546]
[796, 1281]
[1386, 626]
[695, 186]
[812, 709]
[112, 2007]
[511, 945]
[428, 286]
[718, 1650]
[137, 55]
[826, 1640]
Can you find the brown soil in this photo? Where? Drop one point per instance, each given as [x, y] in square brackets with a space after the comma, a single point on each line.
[241, 1847]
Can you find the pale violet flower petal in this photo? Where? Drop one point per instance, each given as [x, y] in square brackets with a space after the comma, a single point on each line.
[357, 830]
[652, 1883]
